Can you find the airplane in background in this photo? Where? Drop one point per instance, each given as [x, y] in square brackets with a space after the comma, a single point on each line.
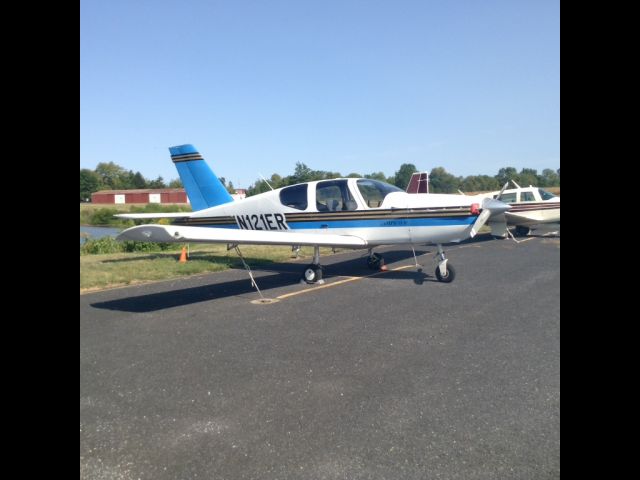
[343, 212]
[530, 207]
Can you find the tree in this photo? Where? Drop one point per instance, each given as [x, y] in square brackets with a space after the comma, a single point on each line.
[376, 176]
[230, 188]
[260, 186]
[442, 181]
[505, 174]
[89, 183]
[157, 183]
[403, 175]
[478, 183]
[276, 181]
[549, 178]
[528, 176]
[139, 181]
[111, 175]
[175, 183]
[301, 174]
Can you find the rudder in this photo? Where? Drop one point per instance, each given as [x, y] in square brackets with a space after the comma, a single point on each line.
[203, 187]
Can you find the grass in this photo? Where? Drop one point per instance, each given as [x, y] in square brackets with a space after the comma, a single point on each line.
[120, 269]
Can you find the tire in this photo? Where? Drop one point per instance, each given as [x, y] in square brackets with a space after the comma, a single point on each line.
[312, 274]
[522, 231]
[375, 261]
[448, 278]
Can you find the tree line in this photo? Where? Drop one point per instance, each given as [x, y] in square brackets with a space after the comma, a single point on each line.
[440, 181]
[110, 176]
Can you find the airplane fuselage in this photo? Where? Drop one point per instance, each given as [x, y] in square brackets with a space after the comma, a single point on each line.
[530, 206]
[374, 211]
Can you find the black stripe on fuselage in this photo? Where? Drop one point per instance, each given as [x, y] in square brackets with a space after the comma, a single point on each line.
[387, 214]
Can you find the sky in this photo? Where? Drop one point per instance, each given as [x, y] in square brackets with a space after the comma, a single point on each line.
[340, 85]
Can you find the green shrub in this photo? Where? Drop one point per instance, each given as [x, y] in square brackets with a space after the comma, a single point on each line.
[105, 245]
[101, 246]
[133, 246]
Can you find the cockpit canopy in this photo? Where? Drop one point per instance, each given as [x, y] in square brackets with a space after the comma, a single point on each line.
[374, 191]
[337, 195]
[545, 195]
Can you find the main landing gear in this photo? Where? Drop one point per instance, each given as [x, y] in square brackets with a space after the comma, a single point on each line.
[313, 272]
[522, 231]
[375, 261]
[444, 273]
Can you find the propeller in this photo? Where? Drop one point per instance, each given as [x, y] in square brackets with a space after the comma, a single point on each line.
[502, 190]
[490, 207]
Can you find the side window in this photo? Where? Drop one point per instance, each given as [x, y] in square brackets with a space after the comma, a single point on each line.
[334, 196]
[528, 197]
[508, 197]
[295, 196]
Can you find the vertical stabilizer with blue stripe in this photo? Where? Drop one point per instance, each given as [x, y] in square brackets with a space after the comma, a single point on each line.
[203, 187]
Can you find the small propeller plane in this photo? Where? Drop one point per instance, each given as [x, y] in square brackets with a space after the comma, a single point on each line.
[342, 212]
[530, 206]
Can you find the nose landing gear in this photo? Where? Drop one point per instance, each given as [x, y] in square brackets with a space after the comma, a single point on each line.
[444, 273]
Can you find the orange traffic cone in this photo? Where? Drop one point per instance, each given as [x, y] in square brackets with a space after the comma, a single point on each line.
[183, 255]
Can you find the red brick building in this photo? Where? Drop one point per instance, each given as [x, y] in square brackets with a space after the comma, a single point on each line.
[143, 195]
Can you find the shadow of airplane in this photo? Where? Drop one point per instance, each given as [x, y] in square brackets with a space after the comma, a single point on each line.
[285, 274]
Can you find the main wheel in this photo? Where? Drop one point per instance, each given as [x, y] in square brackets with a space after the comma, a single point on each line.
[313, 273]
[448, 278]
[375, 261]
[522, 231]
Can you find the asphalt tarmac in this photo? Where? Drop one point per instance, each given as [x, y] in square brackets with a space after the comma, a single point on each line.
[391, 375]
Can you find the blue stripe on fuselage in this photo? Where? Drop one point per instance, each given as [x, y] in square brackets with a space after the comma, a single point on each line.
[379, 223]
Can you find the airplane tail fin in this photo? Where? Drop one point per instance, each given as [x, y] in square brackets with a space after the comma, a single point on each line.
[201, 184]
[419, 183]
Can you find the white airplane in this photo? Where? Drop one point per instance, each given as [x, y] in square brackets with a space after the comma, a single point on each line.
[342, 212]
[530, 206]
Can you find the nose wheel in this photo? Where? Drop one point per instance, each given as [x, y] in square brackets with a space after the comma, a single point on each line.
[445, 273]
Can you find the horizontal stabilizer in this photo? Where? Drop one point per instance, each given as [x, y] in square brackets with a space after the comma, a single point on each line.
[185, 234]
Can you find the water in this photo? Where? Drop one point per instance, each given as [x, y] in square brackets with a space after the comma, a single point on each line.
[98, 232]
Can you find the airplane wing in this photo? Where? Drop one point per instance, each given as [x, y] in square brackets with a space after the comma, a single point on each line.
[175, 233]
[138, 216]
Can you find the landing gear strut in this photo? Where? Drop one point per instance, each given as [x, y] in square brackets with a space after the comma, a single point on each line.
[444, 272]
[313, 272]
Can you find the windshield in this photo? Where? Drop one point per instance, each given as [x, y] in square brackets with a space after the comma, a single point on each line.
[374, 191]
[546, 195]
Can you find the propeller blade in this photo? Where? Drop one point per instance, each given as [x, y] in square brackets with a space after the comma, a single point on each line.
[502, 190]
[490, 207]
[480, 221]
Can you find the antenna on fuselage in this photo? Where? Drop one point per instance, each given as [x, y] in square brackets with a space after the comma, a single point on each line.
[265, 180]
